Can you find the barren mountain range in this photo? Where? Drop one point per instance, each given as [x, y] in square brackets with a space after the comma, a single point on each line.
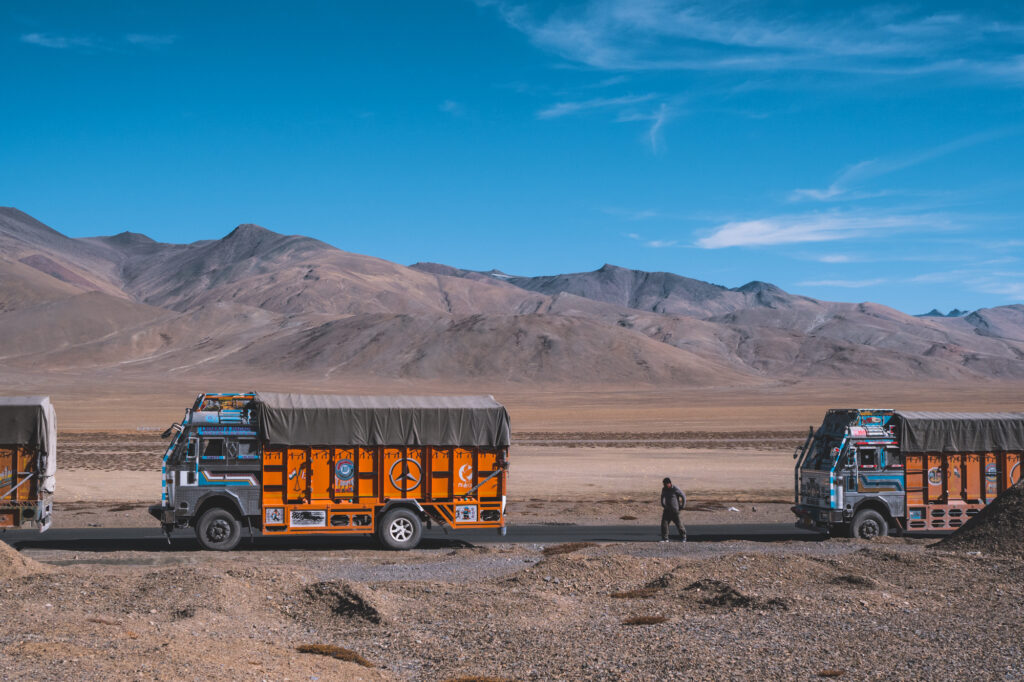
[257, 300]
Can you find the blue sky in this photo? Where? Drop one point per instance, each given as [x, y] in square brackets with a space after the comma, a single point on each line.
[845, 151]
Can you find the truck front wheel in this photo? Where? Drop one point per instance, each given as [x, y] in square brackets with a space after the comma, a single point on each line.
[868, 525]
[400, 529]
[218, 529]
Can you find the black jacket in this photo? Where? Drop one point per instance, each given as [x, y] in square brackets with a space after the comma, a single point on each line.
[672, 499]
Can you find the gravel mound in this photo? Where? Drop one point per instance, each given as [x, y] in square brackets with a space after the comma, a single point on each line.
[14, 565]
[333, 602]
[719, 593]
[996, 529]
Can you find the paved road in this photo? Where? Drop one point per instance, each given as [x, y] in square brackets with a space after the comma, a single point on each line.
[152, 540]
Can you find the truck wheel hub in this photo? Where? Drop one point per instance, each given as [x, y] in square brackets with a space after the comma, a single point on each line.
[218, 531]
[401, 529]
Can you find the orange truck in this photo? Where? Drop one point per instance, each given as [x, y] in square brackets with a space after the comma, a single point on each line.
[293, 464]
[865, 472]
[28, 461]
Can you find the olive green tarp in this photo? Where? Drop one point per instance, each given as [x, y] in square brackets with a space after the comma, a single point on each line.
[306, 419]
[961, 431]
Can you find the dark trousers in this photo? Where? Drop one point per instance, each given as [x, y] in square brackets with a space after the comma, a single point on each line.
[671, 516]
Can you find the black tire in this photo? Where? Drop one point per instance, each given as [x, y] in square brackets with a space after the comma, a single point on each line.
[868, 525]
[400, 529]
[839, 530]
[218, 530]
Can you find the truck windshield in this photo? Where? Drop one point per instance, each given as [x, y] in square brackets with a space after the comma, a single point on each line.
[821, 456]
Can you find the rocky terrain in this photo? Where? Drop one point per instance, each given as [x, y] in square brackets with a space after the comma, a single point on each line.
[125, 306]
[832, 609]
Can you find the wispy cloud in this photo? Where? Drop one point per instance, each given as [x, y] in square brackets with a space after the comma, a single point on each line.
[566, 108]
[814, 227]
[149, 39]
[62, 42]
[844, 283]
[835, 258]
[849, 178]
[57, 42]
[452, 107]
[654, 243]
[657, 120]
[626, 35]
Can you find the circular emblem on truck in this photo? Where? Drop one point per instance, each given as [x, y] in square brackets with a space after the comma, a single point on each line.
[991, 473]
[466, 473]
[935, 476]
[345, 470]
[401, 473]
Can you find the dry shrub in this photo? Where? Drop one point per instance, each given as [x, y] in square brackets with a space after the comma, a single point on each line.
[340, 653]
[479, 678]
[644, 620]
[102, 620]
[567, 548]
[642, 593]
[627, 517]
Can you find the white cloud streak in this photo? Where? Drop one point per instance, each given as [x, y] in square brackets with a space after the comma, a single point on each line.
[566, 108]
[150, 40]
[842, 187]
[56, 42]
[452, 107]
[816, 227]
[625, 35]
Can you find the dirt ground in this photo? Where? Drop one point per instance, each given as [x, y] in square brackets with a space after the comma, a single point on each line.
[728, 610]
[851, 610]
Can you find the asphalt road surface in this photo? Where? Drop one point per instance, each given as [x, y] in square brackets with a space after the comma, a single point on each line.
[152, 540]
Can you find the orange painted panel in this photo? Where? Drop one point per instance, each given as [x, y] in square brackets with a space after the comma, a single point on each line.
[915, 474]
[403, 472]
[990, 476]
[465, 476]
[973, 470]
[935, 478]
[344, 472]
[367, 465]
[1013, 468]
[440, 481]
[320, 470]
[954, 483]
[296, 475]
[488, 462]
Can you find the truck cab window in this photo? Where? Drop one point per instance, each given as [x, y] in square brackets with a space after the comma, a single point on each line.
[867, 458]
[893, 460]
[213, 448]
[191, 449]
[247, 449]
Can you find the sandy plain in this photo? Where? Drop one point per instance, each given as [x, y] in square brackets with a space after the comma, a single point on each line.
[726, 610]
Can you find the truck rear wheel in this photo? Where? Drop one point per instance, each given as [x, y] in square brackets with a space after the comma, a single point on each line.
[868, 525]
[218, 529]
[400, 529]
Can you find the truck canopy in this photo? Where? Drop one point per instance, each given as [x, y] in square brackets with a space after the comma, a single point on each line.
[299, 419]
[961, 432]
[31, 421]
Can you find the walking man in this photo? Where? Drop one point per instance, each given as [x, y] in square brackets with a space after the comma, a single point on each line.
[672, 501]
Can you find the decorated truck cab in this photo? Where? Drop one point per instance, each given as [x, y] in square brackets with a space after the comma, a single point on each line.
[291, 464]
[865, 472]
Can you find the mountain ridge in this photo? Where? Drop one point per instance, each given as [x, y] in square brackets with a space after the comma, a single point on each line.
[260, 300]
